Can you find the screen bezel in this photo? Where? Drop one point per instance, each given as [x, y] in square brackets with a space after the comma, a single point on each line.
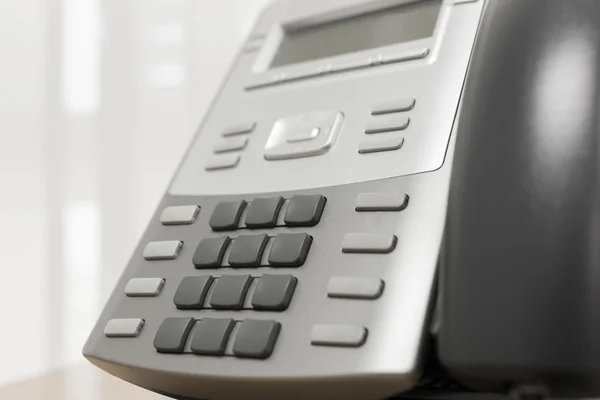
[262, 72]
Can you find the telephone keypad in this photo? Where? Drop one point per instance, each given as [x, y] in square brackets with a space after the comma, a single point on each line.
[172, 334]
[256, 338]
[304, 210]
[211, 336]
[247, 250]
[210, 252]
[230, 292]
[226, 215]
[289, 250]
[192, 292]
[274, 292]
[164, 250]
[263, 212]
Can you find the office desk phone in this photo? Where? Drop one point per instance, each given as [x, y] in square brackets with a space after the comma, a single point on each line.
[386, 198]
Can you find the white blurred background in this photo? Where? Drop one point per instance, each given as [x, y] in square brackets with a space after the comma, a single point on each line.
[98, 101]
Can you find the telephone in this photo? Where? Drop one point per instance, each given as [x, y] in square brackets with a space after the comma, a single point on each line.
[387, 198]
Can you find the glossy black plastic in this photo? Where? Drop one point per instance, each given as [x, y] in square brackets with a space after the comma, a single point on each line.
[521, 264]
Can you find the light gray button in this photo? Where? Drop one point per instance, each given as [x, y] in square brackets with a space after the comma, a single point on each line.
[167, 250]
[302, 135]
[381, 202]
[144, 287]
[279, 147]
[405, 56]
[368, 243]
[238, 129]
[124, 327]
[380, 143]
[393, 106]
[387, 123]
[179, 215]
[338, 335]
[224, 161]
[231, 144]
[354, 288]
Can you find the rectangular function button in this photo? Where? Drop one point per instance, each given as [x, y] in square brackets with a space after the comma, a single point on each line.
[123, 327]
[223, 161]
[354, 288]
[179, 215]
[144, 287]
[231, 144]
[167, 250]
[338, 335]
[368, 243]
[387, 123]
[393, 106]
[381, 202]
[238, 129]
[379, 144]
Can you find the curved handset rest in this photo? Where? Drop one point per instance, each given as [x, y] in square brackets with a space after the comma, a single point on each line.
[521, 264]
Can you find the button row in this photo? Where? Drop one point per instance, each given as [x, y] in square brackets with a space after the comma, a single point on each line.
[247, 251]
[227, 151]
[301, 210]
[387, 121]
[209, 336]
[229, 292]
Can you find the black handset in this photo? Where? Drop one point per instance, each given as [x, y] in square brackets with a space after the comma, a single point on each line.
[520, 306]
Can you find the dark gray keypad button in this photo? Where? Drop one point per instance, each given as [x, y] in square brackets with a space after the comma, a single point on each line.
[289, 249]
[226, 215]
[172, 334]
[256, 338]
[210, 252]
[211, 335]
[304, 210]
[262, 213]
[274, 292]
[192, 291]
[247, 250]
[230, 292]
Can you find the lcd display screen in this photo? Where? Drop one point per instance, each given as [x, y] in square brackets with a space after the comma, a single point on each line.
[385, 27]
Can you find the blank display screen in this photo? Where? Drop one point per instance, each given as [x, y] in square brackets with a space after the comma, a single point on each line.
[385, 27]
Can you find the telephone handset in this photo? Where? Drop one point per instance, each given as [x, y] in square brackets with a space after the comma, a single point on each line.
[349, 223]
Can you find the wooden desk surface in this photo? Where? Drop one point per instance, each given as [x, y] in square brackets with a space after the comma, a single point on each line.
[81, 382]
